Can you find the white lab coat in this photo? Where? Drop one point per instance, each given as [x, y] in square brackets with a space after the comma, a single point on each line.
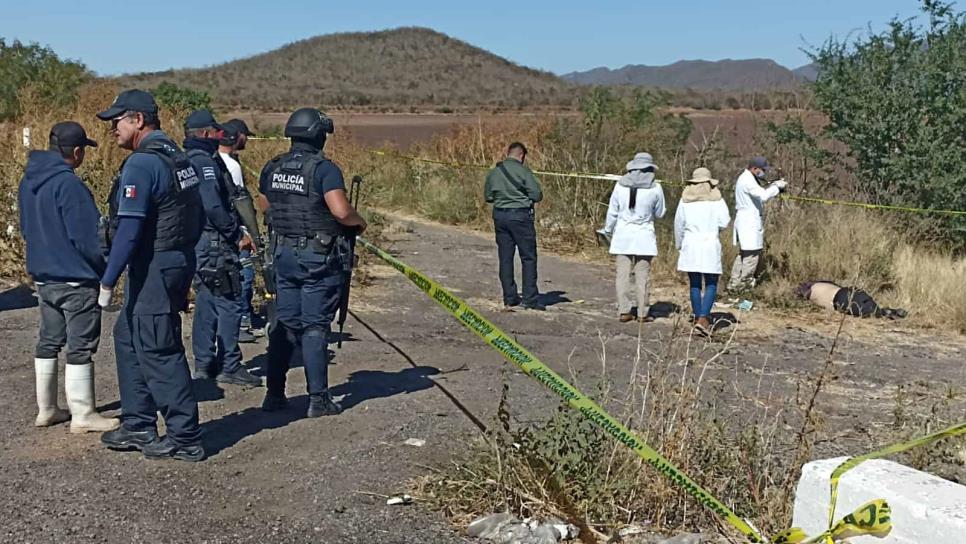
[750, 198]
[696, 233]
[632, 230]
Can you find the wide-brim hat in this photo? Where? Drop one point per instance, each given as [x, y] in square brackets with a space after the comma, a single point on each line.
[703, 175]
[642, 161]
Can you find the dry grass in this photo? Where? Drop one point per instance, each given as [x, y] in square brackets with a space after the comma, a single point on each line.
[805, 242]
[728, 435]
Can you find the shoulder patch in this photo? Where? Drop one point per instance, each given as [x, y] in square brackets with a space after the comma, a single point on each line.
[209, 172]
[130, 191]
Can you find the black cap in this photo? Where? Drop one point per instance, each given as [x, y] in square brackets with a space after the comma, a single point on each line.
[69, 135]
[237, 126]
[758, 162]
[130, 100]
[201, 119]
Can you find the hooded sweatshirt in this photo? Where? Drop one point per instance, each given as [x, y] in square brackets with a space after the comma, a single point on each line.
[632, 227]
[58, 220]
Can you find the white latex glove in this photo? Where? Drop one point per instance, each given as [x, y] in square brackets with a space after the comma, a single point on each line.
[781, 184]
[104, 298]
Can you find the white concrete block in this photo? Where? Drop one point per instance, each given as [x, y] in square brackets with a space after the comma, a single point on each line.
[925, 509]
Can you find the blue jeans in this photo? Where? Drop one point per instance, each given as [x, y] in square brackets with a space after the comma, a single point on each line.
[247, 285]
[702, 304]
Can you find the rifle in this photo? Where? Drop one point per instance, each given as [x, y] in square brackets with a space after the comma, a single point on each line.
[348, 259]
[264, 259]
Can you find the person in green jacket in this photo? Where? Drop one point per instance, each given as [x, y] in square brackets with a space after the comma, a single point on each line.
[512, 189]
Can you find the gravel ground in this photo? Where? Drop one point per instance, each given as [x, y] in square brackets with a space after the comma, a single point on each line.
[408, 371]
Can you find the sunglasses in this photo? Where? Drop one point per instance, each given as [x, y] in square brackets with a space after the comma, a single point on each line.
[116, 120]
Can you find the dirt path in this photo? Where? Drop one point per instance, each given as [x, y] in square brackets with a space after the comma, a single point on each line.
[408, 371]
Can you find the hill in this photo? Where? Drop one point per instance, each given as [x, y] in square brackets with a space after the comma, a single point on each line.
[809, 72]
[726, 75]
[400, 67]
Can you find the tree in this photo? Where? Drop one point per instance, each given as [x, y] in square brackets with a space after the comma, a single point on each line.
[897, 99]
[55, 80]
[175, 97]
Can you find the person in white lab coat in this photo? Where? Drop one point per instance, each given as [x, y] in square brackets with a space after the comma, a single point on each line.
[701, 216]
[637, 200]
[749, 232]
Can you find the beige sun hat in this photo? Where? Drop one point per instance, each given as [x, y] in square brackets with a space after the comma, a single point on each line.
[703, 175]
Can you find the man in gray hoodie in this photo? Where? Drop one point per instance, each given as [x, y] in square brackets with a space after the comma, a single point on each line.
[512, 189]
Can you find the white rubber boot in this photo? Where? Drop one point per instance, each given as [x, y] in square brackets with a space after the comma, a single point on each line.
[79, 384]
[48, 413]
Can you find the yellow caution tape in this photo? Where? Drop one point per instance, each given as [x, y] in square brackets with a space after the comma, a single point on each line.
[533, 367]
[867, 206]
[955, 430]
[615, 177]
[583, 175]
[873, 518]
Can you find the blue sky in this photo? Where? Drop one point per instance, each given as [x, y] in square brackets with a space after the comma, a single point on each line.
[560, 36]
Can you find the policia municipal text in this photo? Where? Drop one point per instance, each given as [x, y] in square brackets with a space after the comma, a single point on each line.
[311, 222]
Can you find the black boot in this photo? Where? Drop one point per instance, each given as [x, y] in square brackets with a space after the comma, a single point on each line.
[168, 449]
[239, 377]
[274, 402]
[323, 405]
[122, 439]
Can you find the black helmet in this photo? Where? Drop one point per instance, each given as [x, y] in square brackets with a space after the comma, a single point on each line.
[308, 124]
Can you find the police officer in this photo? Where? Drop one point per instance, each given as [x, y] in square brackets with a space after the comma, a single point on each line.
[214, 332]
[154, 223]
[311, 219]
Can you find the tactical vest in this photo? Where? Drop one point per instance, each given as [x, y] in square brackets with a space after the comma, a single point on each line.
[226, 186]
[174, 222]
[297, 208]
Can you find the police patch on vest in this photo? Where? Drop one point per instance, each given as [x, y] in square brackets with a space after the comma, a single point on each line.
[289, 183]
[187, 178]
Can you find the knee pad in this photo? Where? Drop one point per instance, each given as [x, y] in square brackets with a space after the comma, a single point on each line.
[316, 331]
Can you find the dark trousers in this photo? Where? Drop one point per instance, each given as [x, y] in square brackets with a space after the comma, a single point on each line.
[68, 316]
[153, 375]
[214, 332]
[308, 284]
[515, 232]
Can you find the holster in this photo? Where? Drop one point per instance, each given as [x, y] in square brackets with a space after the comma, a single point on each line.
[223, 282]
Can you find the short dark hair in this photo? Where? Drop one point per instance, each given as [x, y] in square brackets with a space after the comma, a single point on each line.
[516, 146]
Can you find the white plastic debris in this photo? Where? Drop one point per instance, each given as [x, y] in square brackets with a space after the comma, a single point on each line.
[488, 527]
[403, 499]
[415, 442]
[507, 529]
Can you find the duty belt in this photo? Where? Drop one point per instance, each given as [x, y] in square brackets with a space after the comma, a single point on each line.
[303, 242]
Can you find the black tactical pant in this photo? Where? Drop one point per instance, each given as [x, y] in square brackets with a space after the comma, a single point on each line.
[515, 232]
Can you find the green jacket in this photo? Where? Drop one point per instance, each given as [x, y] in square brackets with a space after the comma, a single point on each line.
[503, 193]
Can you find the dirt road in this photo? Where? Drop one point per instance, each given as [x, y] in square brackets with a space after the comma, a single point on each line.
[408, 371]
